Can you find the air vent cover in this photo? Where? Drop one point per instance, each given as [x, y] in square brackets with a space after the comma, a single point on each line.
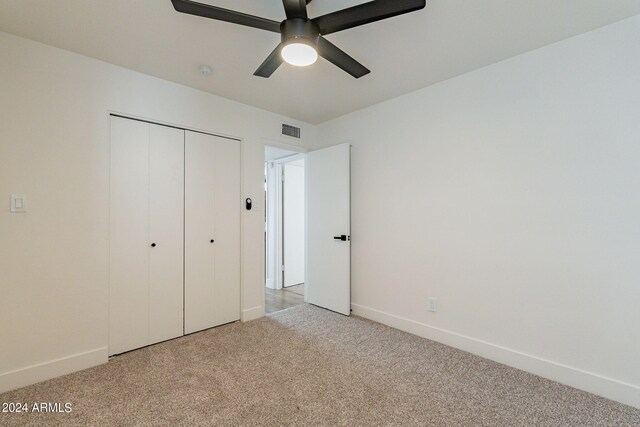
[290, 131]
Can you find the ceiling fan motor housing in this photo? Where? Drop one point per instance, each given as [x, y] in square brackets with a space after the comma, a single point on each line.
[298, 30]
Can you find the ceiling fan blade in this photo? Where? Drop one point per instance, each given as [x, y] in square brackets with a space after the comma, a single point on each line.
[270, 64]
[337, 57]
[365, 13]
[213, 12]
[295, 8]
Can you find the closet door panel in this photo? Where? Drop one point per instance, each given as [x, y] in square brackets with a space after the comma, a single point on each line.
[166, 225]
[199, 251]
[226, 187]
[129, 226]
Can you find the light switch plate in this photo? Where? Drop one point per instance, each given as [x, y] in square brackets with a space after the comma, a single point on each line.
[18, 203]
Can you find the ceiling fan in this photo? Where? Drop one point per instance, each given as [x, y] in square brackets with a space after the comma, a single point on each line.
[301, 36]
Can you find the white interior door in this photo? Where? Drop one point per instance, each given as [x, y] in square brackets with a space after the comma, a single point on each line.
[328, 225]
[293, 222]
[212, 231]
[227, 168]
[198, 228]
[128, 235]
[146, 234]
[166, 227]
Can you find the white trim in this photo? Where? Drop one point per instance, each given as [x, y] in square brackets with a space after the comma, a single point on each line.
[610, 388]
[243, 217]
[290, 158]
[54, 368]
[273, 261]
[170, 124]
[278, 230]
[270, 284]
[284, 145]
[252, 313]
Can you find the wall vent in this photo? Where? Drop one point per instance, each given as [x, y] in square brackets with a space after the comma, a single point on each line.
[290, 131]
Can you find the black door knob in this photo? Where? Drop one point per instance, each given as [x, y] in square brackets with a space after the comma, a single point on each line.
[153, 245]
[212, 240]
[342, 237]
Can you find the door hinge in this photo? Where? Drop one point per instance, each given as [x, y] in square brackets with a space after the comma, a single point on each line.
[282, 268]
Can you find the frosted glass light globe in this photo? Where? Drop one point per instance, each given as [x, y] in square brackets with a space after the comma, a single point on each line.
[299, 54]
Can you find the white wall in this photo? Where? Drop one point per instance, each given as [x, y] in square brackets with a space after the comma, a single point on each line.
[273, 257]
[54, 147]
[511, 195]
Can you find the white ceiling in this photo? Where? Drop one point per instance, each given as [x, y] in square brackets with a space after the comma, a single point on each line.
[405, 53]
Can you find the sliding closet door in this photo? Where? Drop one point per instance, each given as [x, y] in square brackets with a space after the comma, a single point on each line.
[129, 235]
[212, 231]
[166, 206]
[146, 234]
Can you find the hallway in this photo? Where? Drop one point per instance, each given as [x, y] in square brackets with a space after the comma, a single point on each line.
[280, 299]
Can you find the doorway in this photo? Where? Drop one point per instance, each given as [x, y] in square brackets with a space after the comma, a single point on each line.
[284, 229]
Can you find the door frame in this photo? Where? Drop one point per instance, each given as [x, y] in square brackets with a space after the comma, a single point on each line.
[273, 274]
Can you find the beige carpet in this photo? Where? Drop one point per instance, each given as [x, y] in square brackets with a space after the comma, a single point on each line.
[308, 366]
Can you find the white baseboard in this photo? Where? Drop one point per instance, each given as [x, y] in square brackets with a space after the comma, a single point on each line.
[271, 284]
[51, 369]
[593, 383]
[252, 313]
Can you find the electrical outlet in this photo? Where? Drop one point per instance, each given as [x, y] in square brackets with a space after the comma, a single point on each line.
[432, 305]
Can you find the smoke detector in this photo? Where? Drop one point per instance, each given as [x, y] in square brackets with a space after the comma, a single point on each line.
[205, 70]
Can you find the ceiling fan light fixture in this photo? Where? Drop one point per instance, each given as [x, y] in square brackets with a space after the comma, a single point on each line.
[299, 54]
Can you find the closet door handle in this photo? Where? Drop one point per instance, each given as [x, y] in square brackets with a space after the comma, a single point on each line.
[153, 245]
[342, 237]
